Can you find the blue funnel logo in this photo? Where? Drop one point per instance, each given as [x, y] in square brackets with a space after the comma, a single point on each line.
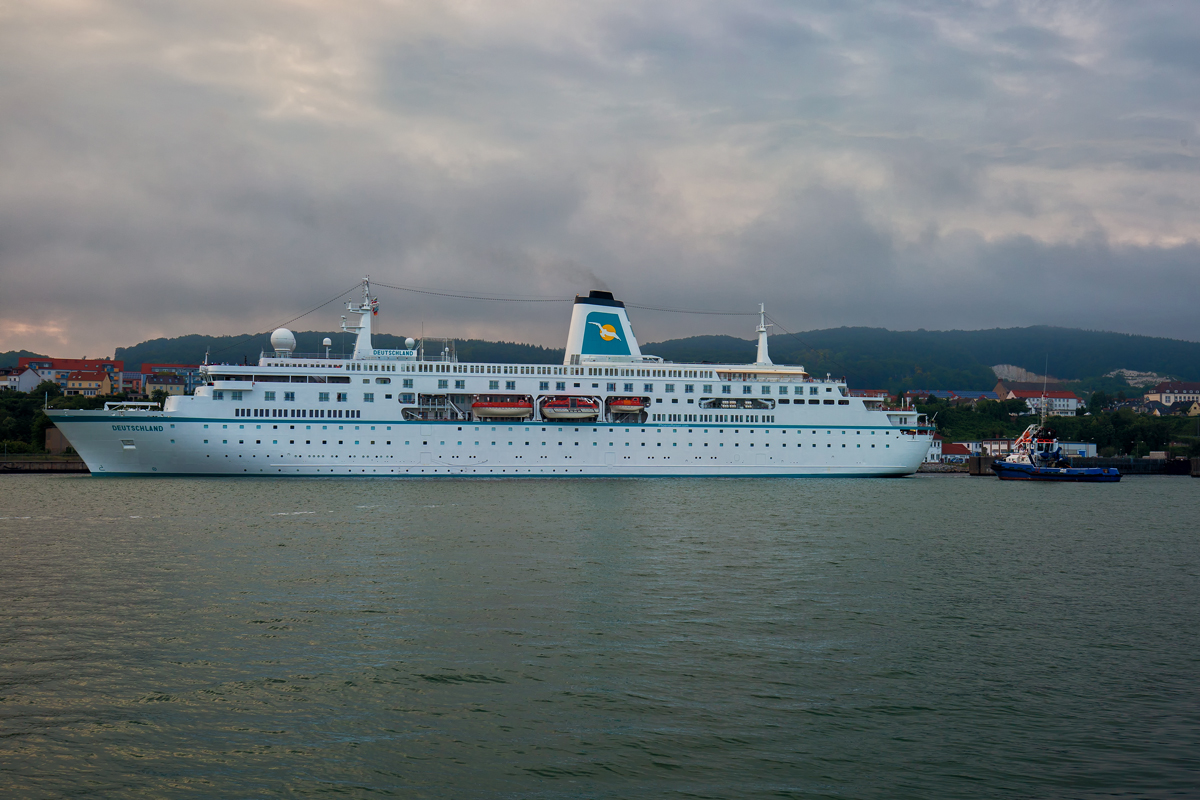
[604, 335]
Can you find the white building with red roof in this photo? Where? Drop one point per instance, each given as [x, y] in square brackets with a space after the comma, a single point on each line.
[1058, 403]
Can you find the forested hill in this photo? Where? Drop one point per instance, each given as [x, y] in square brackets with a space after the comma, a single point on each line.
[879, 358]
[868, 357]
[247, 348]
[10, 357]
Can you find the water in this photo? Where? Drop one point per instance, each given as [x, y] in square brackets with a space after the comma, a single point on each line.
[927, 637]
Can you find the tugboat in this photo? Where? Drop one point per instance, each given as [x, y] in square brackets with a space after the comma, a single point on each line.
[1037, 456]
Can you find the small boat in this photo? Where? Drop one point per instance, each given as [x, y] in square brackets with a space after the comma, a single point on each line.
[1037, 456]
[502, 406]
[571, 408]
[626, 405]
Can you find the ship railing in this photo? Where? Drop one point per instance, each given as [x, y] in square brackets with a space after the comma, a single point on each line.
[124, 406]
[271, 354]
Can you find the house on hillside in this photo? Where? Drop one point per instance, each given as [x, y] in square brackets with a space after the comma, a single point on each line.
[1171, 392]
[964, 397]
[934, 456]
[1058, 403]
[88, 383]
[189, 372]
[1003, 388]
[60, 369]
[167, 382]
[24, 379]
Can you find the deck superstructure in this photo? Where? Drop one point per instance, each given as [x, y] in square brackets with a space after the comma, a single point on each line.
[608, 410]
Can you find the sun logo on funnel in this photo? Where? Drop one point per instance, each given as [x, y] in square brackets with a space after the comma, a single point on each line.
[607, 332]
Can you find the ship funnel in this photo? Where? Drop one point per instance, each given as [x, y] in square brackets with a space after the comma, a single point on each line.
[600, 331]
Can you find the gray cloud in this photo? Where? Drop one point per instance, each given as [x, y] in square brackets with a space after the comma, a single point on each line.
[220, 168]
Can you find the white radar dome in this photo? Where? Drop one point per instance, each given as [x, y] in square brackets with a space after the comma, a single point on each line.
[283, 341]
[409, 343]
[326, 342]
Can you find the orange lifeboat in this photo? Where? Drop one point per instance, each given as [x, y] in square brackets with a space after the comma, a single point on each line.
[626, 405]
[571, 408]
[503, 406]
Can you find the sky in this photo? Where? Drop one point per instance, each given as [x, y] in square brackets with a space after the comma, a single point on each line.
[220, 167]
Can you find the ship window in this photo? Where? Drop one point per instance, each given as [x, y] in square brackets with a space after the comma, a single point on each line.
[747, 389]
[289, 397]
[443, 384]
[670, 387]
[322, 397]
[368, 397]
[406, 397]
[218, 395]
[343, 397]
[766, 390]
[689, 388]
[543, 386]
[408, 383]
[612, 387]
[383, 380]
[813, 390]
[510, 385]
[493, 384]
[460, 384]
[726, 389]
[707, 388]
[783, 390]
[560, 386]
[628, 387]
[649, 387]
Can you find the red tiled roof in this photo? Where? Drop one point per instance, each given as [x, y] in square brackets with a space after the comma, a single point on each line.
[87, 376]
[72, 363]
[955, 449]
[1022, 395]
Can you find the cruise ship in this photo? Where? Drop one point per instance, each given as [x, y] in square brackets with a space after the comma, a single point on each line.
[607, 411]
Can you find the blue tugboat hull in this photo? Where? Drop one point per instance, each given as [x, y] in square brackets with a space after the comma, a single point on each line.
[1024, 472]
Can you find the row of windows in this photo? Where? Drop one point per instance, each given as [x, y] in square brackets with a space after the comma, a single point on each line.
[712, 418]
[527, 444]
[511, 386]
[298, 413]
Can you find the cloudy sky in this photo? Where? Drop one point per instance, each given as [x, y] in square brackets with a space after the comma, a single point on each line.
[221, 166]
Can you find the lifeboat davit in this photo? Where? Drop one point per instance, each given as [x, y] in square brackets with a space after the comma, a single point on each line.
[517, 407]
[626, 405]
[571, 408]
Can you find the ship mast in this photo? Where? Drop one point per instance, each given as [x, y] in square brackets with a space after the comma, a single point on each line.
[763, 357]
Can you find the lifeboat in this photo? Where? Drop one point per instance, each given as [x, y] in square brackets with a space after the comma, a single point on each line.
[571, 408]
[626, 405]
[513, 407]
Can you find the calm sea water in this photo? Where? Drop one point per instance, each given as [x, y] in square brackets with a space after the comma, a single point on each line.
[928, 637]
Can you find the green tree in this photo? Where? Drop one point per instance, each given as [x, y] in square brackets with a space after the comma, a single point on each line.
[1098, 402]
[159, 396]
[37, 429]
[47, 388]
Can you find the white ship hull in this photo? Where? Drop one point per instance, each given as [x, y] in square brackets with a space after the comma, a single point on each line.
[173, 444]
[390, 414]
